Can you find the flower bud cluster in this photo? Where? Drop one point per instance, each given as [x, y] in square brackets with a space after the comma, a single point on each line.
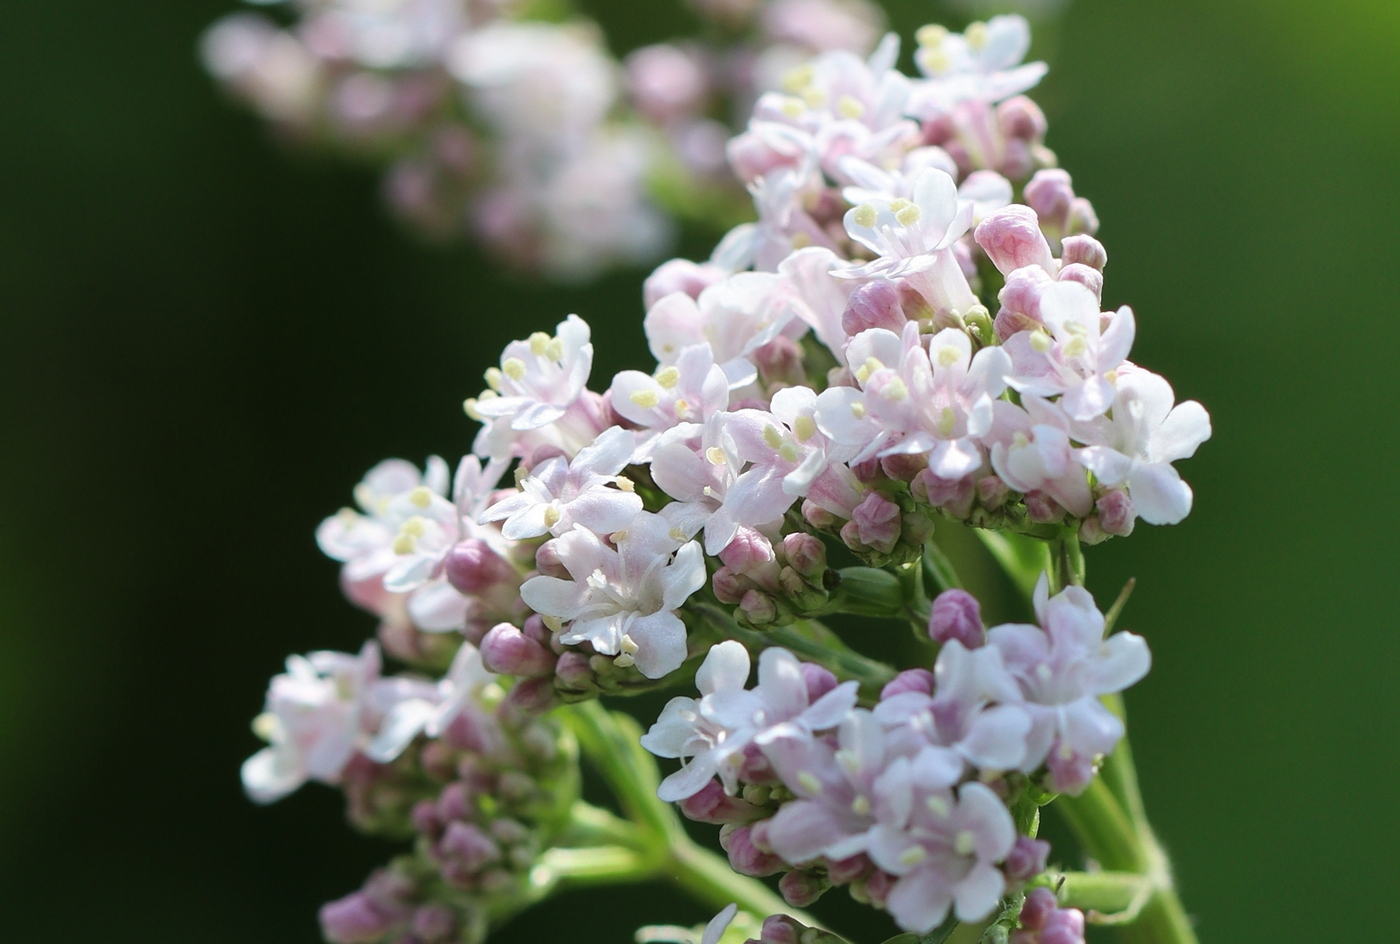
[905, 803]
[524, 132]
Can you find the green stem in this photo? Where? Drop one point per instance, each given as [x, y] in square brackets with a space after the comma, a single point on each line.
[939, 569]
[1108, 893]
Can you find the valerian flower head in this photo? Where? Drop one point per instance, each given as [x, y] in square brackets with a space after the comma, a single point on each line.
[622, 596]
[1062, 667]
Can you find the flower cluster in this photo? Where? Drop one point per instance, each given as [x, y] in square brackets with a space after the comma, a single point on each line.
[905, 801]
[493, 118]
[832, 382]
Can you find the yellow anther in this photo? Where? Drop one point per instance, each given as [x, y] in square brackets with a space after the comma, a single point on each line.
[553, 623]
[493, 378]
[708, 492]
[795, 80]
[947, 421]
[814, 97]
[1111, 376]
[1076, 346]
[794, 107]
[1044, 672]
[862, 374]
[538, 342]
[414, 526]
[965, 842]
[800, 240]
[899, 203]
[913, 855]
[716, 455]
[513, 367]
[934, 61]
[404, 544]
[908, 216]
[422, 496]
[552, 514]
[895, 390]
[873, 364]
[628, 645]
[789, 451]
[865, 215]
[554, 350]
[808, 781]
[848, 760]
[267, 726]
[625, 484]
[469, 408]
[617, 537]
[848, 106]
[677, 535]
[804, 428]
[646, 399]
[948, 356]
[1041, 342]
[1019, 441]
[937, 806]
[858, 410]
[668, 377]
[860, 806]
[931, 36]
[772, 437]
[625, 661]
[976, 36]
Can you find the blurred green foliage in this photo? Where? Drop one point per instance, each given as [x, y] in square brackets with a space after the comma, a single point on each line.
[207, 340]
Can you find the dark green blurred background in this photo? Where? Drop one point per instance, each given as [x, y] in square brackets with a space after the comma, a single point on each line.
[207, 341]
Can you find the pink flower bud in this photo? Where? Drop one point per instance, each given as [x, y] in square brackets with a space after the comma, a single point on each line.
[878, 887]
[819, 680]
[1081, 218]
[574, 674]
[1084, 250]
[680, 275]
[730, 587]
[910, 680]
[468, 845]
[1050, 194]
[873, 305]
[508, 651]
[1043, 509]
[805, 553]
[845, 871]
[665, 82]
[902, 467]
[758, 607]
[780, 361]
[355, 919]
[801, 889]
[877, 521]
[956, 614]
[780, 929]
[1039, 906]
[713, 805]
[1021, 118]
[951, 495]
[1116, 512]
[425, 819]
[532, 696]
[433, 922]
[746, 859]
[1091, 531]
[747, 551]
[1087, 276]
[454, 802]
[1069, 774]
[1018, 159]
[1064, 926]
[1026, 859]
[816, 515]
[1012, 239]
[547, 561]
[751, 155]
[992, 492]
[473, 568]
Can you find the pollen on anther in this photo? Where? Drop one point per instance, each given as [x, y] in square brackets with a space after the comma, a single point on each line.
[865, 215]
[513, 367]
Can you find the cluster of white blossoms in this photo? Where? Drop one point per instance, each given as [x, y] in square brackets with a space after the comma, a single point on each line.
[504, 120]
[834, 380]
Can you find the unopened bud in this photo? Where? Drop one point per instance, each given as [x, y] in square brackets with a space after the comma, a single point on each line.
[508, 651]
[1040, 904]
[730, 587]
[747, 551]
[468, 845]
[472, 567]
[713, 805]
[1083, 249]
[1043, 509]
[953, 496]
[1012, 239]
[805, 553]
[992, 492]
[1021, 118]
[878, 522]
[680, 275]
[800, 889]
[746, 858]
[1087, 276]
[1081, 218]
[845, 871]
[758, 607]
[1050, 194]
[781, 929]
[532, 696]
[817, 516]
[573, 673]
[902, 467]
[355, 919]
[1064, 926]
[878, 887]
[1116, 512]
[873, 305]
[1026, 859]
[547, 561]
[956, 614]
[918, 528]
[780, 361]
[910, 680]
[819, 680]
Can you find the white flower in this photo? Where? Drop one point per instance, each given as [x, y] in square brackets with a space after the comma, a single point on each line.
[1073, 356]
[430, 709]
[560, 493]
[691, 390]
[1032, 452]
[316, 718]
[711, 734]
[736, 317]
[909, 235]
[982, 64]
[1137, 444]
[623, 601]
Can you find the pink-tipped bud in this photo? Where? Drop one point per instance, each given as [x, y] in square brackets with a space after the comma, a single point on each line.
[992, 492]
[1026, 859]
[1084, 250]
[454, 802]
[1050, 194]
[1012, 239]
[1069, 772]
[902, 467]
[1043, 509]
[956, 614]
[547, 561]
[801, 889]
[730, 587]
[819, 680]
[753, 155]
[508, 651]
[780, 361]
[878, 887]
[1087, 276]
[532, 696]
[432, 923]
[356, 919]
[878, 522]
[680, 275]
[665, 82]
[1116, 512]
[758, 607]
[713, 805]
[747, 551]
[473, 568]
[574, 673]
[816, 515]
[951, 495]
[1081, 218]
[918, 528]
[845, 871]
[910, 680]
[425, 819]
[1064, 926]
[746, 858]
[805, 553]
[1022, 118]
[468, 845]
[780, 929]
[1039, 906]
[873, 305]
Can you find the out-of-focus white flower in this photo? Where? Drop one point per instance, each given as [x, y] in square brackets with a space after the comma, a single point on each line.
[430, 709]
